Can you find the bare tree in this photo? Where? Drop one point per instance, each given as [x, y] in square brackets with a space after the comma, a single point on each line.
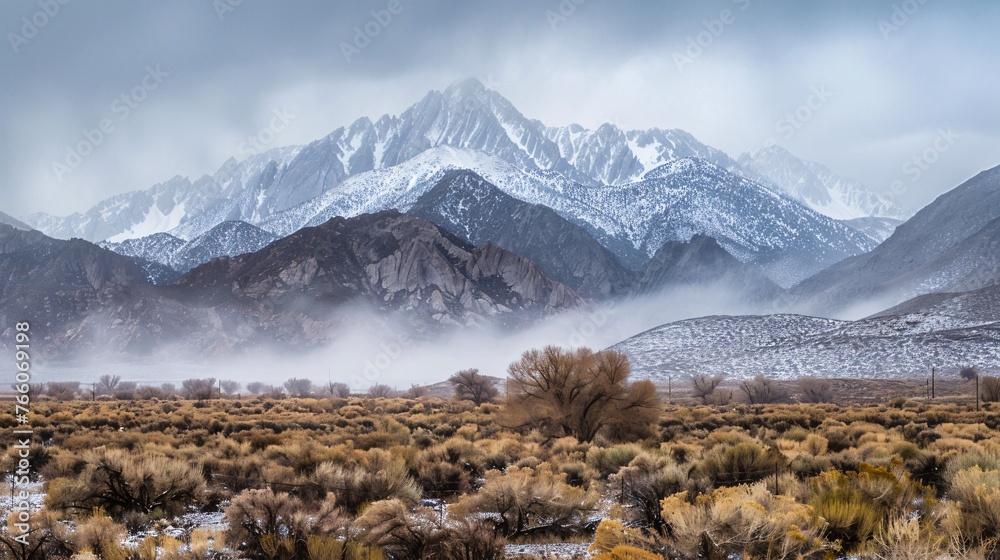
[471, 386]
[577, 393]
[341, 390]
[969, 373]
[107, 384]
[702, 386]
[62, 391]
[257, 388]
[299, 387]
[417, 391]
[379, 391]
[990, 388]
[229, 387]
[198, 389]
[761, 390]
[815, 390]
[125, 391]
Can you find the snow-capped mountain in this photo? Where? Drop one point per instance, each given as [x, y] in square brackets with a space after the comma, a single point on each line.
[819, 188]
[230, 238]
[632, 190]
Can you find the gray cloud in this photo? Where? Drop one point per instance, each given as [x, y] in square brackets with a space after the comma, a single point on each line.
[893, 89]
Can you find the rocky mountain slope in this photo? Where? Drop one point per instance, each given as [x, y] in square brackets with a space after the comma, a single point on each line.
[13, 222]
[472, 208]
[294, 293]
[950, 245]
[50, 283]
[702, 262]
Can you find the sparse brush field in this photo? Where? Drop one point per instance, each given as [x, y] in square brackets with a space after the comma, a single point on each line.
[364, 478]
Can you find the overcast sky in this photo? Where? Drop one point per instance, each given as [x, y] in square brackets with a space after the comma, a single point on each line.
[200, 76]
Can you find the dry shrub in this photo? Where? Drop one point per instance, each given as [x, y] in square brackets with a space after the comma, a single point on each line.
[122, 482]
[741, 463]
[528, 502]
[266, 525]
[975, 495]
[644, 483]
[905, 539]
[380, 476]
[858, 505]
[47, 537]
[100, 535]
[743, 520]
[607, 460]
[625, 552]
[423, 535]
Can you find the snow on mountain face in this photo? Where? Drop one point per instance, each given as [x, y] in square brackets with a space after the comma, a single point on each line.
[818, 188]
[371, 166]
[673, 203]
[791, 346]
[229, 238]
[612, 156]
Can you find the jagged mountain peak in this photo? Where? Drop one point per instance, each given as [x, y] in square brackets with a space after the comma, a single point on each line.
[818, 188]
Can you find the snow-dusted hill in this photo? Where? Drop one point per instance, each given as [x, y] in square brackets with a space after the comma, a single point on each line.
[790, 346]
[819, 188]
[229, 238]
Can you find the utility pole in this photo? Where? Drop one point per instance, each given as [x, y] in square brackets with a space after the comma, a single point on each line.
[670, 390]
[977, 391]
[933, 375]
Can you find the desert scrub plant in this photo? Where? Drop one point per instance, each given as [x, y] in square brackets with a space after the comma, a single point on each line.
[380, 476]
[424, 535]
[607, 460]
[746, 521]
[47, 537]
[857, 505]
[528, 502]
[612, 535]
[742, 463]
[265, 525]
[643, 484]
[974, 518]
[121, 482]
[100, 535]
